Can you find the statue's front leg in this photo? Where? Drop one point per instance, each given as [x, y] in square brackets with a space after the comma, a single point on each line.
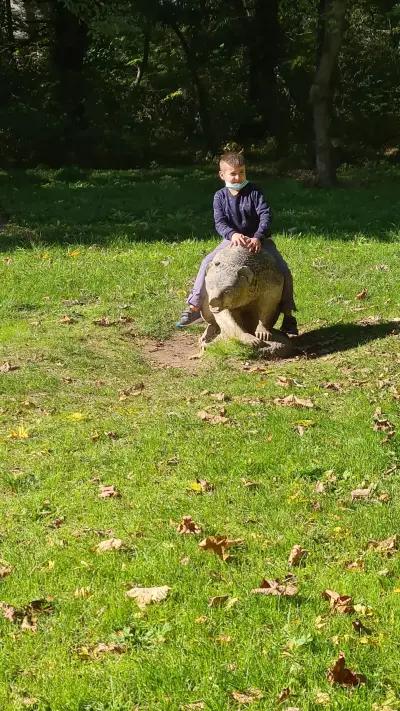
[231, 329]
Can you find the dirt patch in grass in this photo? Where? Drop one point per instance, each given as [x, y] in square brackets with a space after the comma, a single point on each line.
[176, 352]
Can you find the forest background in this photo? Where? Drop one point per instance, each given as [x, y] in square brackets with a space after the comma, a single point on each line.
[137, 83]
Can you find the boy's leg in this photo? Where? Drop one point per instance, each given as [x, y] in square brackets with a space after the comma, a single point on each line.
[196, 296]
[192, 313]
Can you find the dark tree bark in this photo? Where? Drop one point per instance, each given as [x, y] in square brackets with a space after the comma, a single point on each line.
[9, 27]
[70, 44]
[145, 57]
[330, 34]
[202, 99]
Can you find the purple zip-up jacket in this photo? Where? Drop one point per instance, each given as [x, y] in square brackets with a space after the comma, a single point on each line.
[247, 213]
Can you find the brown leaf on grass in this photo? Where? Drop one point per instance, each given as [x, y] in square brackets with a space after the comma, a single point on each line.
[342, 604]
[195, 705]
[187, 525]
[132, 391]
[360, 628]
[382, 424]
[293, 401]
[297, 554]
[67, 319]
[219, 545]
[218, 600]
[303, 425]
[8, 367]
[200, 486]
[387, 547]
[112, 544]
[220, 397]
[248, 484]
[26, 617]
[360, 494]
[96, 650]
[355, 565]
[248, 696]
[214, 419]
[285, 588]
[283, 695]
[332, 386]
[339, 674]
[362, 294]
[5, 570]
[103, 321]
[107, 491]
[146, 596]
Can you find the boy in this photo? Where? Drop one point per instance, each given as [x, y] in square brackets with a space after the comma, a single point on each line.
[242, 217]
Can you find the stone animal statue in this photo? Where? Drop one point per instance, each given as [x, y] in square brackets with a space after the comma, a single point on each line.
[243, 293]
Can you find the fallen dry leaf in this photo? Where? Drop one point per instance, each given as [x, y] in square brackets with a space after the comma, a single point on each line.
[283, 695]
[67, 319]
[214, 419]
[218, 600]
[8, 367]
[201, 486]
[220, 397]
[297, 554]
[187, 525]
[342, 604]
[287, 588]
[223, 638]
[107, 491]
[26, 617]
[293, 401]
[112, 544]
[331, 386]
[362, 294]
[339, 674]
[360, 628]
[146, 596]
[104, 321]
[303, 425]
[96, 650]
[193, 706]
[359, 494]
[382, 424]
[322, 698]
[219, 545]
[132, 391]
[248, 696]
[5, 570]
[355, 565]
[387, 547]
[248, 484]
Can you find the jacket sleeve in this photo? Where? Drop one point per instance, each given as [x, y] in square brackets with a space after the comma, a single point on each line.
[264, 212]
[221, 223]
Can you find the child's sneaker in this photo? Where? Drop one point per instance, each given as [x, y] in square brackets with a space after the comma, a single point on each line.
[188, 318]
[289, 326]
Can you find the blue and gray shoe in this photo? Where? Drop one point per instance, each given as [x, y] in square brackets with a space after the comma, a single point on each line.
[188, 318]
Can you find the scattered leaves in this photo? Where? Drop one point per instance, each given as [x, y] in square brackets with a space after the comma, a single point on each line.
[187, 525]
[339, 674]
[219, 545]
[293, 401]
[303, 425]
[360, 494]
[5, 570]
[107, 491]
[287, 588]
[131, 391]
[146, 596]
[8, 367]
[283, 695]
[112, 544]
[297, 554]
[342, 604]
[382, 424]
[200, 486]
[26, 617]
[212, 418]
[387, 547]
[96, 650]
[362, 294]
[360, 628]
[248, 484]
[218, 600]
[248, 696]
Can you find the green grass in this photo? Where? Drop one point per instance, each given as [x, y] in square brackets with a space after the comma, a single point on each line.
[127, 245]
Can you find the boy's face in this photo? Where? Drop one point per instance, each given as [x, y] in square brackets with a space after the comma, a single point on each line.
[232, 174]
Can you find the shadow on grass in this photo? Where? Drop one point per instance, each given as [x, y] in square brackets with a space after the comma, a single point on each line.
[343, 336]
[73, 205]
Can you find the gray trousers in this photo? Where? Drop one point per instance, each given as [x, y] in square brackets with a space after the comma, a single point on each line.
[287, 304]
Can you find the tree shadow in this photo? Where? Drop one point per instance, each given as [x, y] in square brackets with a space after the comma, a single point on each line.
[75, 205]
[343, 336]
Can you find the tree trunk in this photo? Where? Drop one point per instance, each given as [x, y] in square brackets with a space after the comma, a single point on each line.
[145, 57]
[330, 34]
[9, 28]
[201, 93]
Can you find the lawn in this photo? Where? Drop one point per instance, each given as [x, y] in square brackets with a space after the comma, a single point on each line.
[94, 270]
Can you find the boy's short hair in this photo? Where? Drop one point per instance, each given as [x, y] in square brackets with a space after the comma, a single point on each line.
[232, 159]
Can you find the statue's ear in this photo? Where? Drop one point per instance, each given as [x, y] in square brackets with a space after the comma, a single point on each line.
[247, 273]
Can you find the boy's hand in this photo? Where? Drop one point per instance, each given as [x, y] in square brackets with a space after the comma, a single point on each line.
[254, 244]
[238, 240]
